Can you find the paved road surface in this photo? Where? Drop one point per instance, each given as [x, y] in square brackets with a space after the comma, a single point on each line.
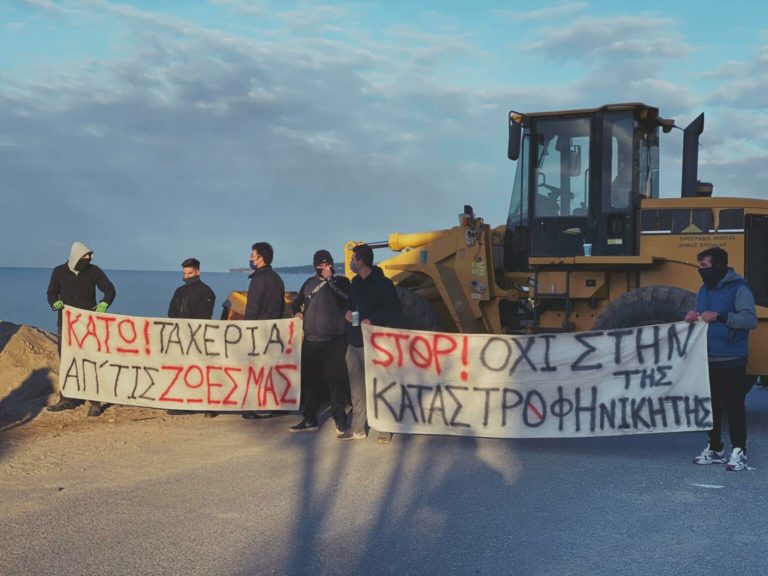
[189, 496]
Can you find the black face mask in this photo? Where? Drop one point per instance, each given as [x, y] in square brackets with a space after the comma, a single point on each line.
[191, 279]
[711, 276]
[82, 264]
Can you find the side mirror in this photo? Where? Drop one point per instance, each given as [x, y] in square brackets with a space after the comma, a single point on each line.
[574, 160]
[515, 133]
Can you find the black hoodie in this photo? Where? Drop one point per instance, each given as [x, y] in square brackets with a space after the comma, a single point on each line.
[78, 288]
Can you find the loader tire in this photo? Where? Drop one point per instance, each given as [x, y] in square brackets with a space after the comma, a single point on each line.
[645, 306]
[417, 312]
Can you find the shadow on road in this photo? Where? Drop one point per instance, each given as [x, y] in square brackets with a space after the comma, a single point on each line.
[425, 504]
[363, 510]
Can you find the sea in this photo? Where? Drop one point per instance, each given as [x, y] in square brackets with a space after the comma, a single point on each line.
[23, 297]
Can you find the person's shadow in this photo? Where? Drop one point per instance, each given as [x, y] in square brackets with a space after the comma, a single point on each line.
[28, 399]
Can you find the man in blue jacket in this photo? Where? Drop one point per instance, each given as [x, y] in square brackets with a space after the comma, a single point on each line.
[726, 303]
[372, 300]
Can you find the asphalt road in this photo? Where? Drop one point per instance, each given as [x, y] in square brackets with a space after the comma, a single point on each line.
[229, 496]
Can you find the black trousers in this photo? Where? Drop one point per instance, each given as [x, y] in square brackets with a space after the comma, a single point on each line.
[728, 387]
[324, 374]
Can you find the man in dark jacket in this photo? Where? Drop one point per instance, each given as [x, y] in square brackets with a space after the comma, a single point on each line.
[266, 296]
[266, 292]
[74, 284]
[726, 303]
[372, 300]
[194, 299]
[321, 303]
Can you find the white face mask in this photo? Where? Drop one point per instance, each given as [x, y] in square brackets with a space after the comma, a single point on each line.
[354, 266]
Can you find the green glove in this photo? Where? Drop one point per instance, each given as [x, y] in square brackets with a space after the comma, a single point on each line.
[101, 307]
[58, 305]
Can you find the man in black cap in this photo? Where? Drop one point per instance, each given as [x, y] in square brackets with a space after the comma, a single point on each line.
[194, 299]
[321, 303]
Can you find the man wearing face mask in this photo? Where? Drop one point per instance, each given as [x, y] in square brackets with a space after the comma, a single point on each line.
[74, 284]
[726, 303]
[320, 303]
[372, 300]
[266, 296]
[194, 299]
[266, 292]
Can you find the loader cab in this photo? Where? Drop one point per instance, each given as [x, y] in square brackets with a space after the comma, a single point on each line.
[580, 178]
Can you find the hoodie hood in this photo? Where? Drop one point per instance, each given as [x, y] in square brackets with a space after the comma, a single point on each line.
[77, 251]
[730, 276]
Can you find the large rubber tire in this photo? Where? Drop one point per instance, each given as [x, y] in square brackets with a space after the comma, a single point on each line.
[418, 313]
[645, 306]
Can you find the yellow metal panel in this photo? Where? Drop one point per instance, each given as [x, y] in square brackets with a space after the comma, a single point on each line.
[593, 261]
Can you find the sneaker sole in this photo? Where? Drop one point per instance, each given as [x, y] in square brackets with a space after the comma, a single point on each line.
[303, 429]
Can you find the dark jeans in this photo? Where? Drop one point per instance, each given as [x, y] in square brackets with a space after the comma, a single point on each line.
[324, 373]
[728, 389]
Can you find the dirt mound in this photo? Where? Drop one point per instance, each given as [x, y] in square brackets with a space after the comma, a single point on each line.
[29, 367]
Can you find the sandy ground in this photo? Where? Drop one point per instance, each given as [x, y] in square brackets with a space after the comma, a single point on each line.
[138, 492]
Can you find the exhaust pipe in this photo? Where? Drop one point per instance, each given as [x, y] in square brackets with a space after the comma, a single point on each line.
[691, 157]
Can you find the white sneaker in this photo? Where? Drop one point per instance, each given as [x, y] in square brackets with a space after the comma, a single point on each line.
[709, 456]
[737, 461]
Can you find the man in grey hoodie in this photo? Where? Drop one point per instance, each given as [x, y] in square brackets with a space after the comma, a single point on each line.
[74, 283]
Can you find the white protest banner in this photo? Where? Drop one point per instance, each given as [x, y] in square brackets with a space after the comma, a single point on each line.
[624, 381]
[181, 364]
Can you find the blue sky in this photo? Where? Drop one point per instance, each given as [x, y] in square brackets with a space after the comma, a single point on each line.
[155, 131]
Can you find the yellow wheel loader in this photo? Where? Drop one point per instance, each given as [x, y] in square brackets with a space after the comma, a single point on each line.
[588, 243]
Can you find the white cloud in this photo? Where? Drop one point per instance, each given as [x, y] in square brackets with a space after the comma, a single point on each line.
[44, 5]
[309, 130]
[547, 13]
[611, 38]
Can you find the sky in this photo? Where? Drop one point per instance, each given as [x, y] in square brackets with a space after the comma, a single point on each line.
[159, 130]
